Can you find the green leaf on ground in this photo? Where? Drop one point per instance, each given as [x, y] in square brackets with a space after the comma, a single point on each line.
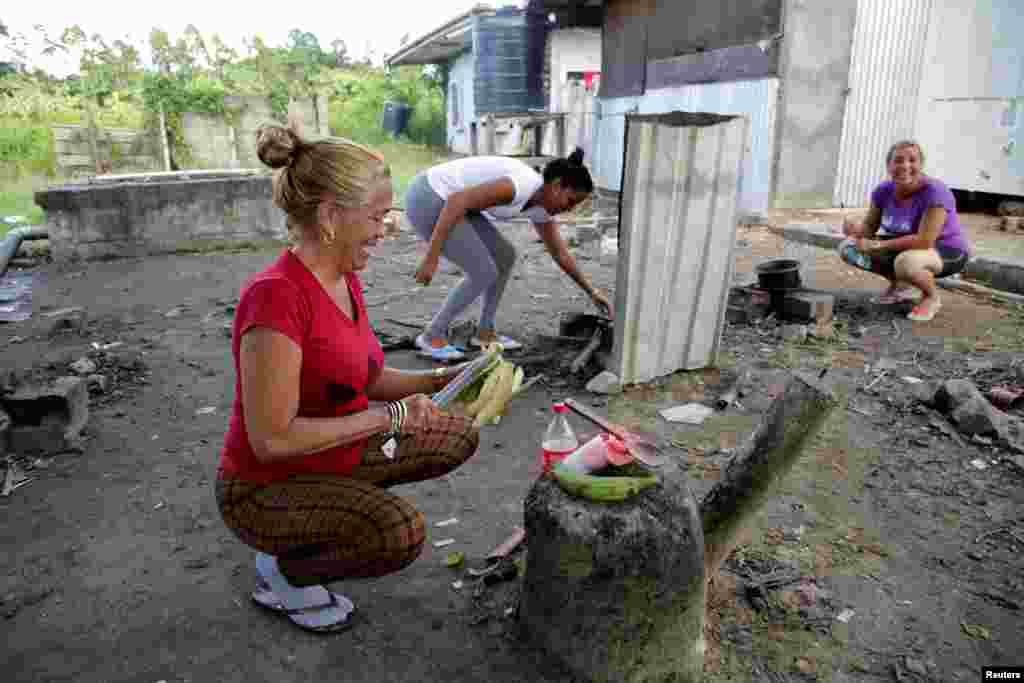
[977, 632]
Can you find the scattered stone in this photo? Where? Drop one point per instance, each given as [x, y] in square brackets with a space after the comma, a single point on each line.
[605, 382]
[915, 666]
[60, 312]
[822, 330]
[83, 366]
[969, 409]
[690, 413]
[797, 333]
[810, 306]
[197, 564]
[173, 313]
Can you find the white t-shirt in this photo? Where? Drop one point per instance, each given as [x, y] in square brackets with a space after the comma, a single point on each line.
[454, 176]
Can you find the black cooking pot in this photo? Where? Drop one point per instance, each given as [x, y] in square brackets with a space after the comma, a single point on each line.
[779, 275]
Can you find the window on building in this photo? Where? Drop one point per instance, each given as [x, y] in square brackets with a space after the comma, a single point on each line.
[456, 106]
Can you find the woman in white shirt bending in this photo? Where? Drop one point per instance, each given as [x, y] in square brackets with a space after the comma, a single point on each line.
[451, 207]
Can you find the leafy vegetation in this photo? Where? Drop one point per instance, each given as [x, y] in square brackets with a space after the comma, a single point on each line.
[192, 73]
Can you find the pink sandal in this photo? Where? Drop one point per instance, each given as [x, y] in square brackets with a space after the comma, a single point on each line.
[899, 296]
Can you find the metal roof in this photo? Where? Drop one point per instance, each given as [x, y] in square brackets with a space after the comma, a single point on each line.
[441, 44]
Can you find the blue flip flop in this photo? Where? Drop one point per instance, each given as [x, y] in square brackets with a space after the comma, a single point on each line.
[444, 354]
[266, 598]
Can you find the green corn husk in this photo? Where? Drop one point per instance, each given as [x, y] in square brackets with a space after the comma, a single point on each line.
[470, 379]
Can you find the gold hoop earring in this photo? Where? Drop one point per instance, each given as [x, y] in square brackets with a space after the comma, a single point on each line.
[327, 236]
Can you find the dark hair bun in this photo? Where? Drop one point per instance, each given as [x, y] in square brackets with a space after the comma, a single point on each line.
[576, 158]
[276, 145]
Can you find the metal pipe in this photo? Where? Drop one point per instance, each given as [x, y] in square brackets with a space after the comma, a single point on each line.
[9, 245]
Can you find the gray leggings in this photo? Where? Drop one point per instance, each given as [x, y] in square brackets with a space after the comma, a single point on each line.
[474, 245]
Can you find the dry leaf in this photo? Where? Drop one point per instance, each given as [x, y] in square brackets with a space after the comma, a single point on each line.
[791, 599]
[855, 535]
[774, 536]
[806, 665]
[713, 472]
[822, 560]
[728, 440]
[744, 536]
[875, 549]
[744, 616]
[776, 632]
[721, 591]
[848, 359]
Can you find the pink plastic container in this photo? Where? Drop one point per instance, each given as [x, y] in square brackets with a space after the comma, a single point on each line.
[596, 454]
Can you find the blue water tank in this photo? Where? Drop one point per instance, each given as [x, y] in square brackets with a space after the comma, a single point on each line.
[508, 76]
[396, 117]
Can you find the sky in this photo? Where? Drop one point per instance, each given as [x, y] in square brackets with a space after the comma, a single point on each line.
[360, 23]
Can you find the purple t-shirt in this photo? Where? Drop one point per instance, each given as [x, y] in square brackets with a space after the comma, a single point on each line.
[906, 219]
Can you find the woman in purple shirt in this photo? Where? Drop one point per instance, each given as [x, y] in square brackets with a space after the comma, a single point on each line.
[911, 235]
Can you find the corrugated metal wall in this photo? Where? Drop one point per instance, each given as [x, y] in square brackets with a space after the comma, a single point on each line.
[754, 99]
[885, 77]
[677, 231]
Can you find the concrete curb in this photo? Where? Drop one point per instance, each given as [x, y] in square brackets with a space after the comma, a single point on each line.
[997, 273]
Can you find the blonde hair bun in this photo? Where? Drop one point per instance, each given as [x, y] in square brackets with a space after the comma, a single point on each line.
[276, 145]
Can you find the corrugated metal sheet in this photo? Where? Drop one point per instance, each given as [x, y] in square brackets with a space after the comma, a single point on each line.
[676, 237]
[754, 99]
[887, 61]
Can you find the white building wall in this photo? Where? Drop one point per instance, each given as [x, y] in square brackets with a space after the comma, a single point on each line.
[461, 103]
[970, 116]
[949, 73]
[572, 49]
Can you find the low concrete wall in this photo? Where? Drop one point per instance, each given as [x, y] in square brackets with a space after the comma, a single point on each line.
[230, 142]
[114, 216]
[997, 273]
[129, 149]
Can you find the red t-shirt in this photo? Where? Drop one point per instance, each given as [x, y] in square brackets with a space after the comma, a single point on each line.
[340, 358]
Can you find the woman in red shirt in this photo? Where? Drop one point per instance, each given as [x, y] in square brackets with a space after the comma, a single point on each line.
[302, 476]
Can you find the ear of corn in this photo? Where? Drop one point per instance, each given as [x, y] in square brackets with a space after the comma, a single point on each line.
[484, 390]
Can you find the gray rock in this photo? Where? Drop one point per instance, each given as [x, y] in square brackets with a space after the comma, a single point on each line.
[97, 383]
[797, 333]
[604, 383]
[915, 666]
[924, 392]
[83, 366]
[968, 408]
[973, 415]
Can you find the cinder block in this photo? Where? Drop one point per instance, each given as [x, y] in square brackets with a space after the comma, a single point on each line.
[810, 306]
[47, 417]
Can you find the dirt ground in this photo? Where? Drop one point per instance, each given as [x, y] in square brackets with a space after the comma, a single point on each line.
[118, 568]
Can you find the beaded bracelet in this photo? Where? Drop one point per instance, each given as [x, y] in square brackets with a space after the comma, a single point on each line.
[397, 411]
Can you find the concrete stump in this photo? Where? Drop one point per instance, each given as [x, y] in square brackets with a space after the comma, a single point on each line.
[48, 417]
[617, 591]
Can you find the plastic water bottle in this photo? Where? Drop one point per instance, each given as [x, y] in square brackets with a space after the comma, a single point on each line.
[559, 439]
[857, 258]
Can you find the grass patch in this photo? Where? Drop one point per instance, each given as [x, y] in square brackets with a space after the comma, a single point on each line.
[406, 160]
[831, 470]
[16, 199]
